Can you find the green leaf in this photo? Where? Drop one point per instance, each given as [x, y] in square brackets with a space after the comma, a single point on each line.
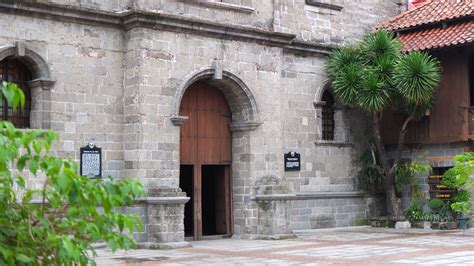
[64, 181]
[8, 92]
[37, 146]
[34, 165]
[22, 162]
[23, 258]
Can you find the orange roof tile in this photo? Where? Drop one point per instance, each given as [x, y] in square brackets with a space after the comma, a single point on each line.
[432, 11]
[439, 37]
[434, 24]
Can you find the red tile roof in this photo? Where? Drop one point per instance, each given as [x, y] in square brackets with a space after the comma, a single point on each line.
[439, 37]
[431, 12]
[435, 24]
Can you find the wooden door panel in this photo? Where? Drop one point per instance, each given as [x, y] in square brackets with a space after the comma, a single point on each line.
[209, 151]
[205, 137]
[224, 138]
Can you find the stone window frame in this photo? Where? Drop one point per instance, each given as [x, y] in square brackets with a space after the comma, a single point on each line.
[40, 85]
[218, 4]
[341, 139]
[327, 116]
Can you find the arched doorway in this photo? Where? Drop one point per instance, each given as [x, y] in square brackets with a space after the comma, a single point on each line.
[205, 155]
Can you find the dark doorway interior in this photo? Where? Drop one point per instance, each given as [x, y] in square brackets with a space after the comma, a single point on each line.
[439, 170]
[186, 185]
[214, 220]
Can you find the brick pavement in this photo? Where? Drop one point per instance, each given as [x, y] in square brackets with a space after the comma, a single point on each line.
[341, 246]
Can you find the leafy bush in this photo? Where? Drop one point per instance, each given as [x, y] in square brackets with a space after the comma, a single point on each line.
[415, 211]
[57, 223]
[462, 195]
[406, 171]
[436, 204]
[459, 177]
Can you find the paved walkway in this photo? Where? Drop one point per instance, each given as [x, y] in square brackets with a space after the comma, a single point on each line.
[342, 246]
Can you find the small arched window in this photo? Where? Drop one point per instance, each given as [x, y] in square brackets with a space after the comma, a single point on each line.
[13, 70]
[328, 116]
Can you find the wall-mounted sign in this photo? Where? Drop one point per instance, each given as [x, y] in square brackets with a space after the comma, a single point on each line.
[292, 161]
[91, 161]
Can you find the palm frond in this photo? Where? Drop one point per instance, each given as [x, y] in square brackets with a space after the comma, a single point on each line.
[340, 59]
[347, 84]
[381, 43]
[416, 77]
[373, 95]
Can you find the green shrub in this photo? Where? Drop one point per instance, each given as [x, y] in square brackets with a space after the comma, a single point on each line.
[436, 204]
[462, 195]
[415, 211]
[57, 223]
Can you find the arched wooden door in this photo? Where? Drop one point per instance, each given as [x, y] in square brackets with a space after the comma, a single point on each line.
[205, 154]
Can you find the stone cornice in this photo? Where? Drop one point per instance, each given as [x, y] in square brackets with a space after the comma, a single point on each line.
[129, 19]
[221, 5]
[62, 13]
[321, 4]
[309, 196]
[163, 200]
[144, 19]
[179, 120]
[44, 84]
[243, 126]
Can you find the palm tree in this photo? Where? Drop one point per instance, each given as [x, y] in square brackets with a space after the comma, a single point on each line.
[376, 75]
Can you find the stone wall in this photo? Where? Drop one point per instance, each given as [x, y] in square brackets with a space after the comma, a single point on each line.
[119, 78]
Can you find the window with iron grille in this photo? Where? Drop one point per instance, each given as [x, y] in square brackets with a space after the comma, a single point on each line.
[328, 116]
[13, 70]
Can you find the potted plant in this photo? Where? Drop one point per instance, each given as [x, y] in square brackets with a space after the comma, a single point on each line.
[460, 205]
[459, 177]
[441, 216]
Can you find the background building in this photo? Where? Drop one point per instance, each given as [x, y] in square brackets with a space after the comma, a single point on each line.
[200, 100]
[444, 29]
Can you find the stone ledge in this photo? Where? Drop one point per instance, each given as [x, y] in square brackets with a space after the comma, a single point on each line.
[42, 83]
[320, 4]
[273, 197]
[163, 200]
[166, 22]
[170, 245]
[221, 5]
[243, 126]
[61, 12]
[329, 195]
[331, 143]
[309, 196]
[179, 120]
[308, 47]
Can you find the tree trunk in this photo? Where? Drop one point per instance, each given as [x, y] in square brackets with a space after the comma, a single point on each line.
[393, 202]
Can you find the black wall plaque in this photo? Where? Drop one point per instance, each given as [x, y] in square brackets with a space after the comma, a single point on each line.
[91, 161]
[292, 161]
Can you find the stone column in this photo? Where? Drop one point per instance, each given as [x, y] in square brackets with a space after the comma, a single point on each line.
[273, 202]
[165, 214]
[40, 113]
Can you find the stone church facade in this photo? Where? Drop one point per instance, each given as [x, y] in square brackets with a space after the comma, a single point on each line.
[116, 73]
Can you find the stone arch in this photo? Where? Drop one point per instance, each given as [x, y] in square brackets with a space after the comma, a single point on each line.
[340, 125]
[40, 85]
[242, 103]
[37, 65]
[326, 86]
